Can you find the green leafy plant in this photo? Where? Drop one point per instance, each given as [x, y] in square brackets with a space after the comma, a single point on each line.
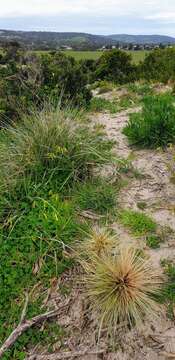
[105, 86]
[155, 125]
[34, 234]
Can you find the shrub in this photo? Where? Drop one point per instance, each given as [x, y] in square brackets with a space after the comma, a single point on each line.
[53, 145]
[159, 65]
[121, 287]
[115, 66]
[155, 125]
[63, 77]
[32, 80]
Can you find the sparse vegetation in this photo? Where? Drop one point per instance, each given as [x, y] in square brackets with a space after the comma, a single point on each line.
[153, 241]
[167, 294]
[100, 105]
[142, 205]
[137, 222]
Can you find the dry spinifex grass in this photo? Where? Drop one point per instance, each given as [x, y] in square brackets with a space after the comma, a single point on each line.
[121, 285]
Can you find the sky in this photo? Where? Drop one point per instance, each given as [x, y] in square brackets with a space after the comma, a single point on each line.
[90, 16]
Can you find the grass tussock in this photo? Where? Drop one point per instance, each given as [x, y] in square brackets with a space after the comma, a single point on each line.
[53, 145]
[155, 125]
[121, 287]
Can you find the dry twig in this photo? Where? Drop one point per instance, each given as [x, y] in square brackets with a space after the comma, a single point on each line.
[23, 326]
[65, 355]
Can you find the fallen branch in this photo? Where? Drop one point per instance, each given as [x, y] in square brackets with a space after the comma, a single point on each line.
[23, 326]
[65, 355]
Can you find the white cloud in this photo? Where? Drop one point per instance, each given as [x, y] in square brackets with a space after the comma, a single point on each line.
[13, 8]
[163, 17]
[94, 16]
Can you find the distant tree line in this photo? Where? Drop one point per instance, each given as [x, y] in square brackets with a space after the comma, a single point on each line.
[28, 80]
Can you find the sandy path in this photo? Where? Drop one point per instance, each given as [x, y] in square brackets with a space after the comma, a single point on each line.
[155, 189]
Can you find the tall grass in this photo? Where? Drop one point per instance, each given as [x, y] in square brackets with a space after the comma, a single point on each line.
[53, 145]
[155, 125]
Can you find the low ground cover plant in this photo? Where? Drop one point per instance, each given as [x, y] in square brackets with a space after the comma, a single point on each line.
[137, 222]
[155, 125]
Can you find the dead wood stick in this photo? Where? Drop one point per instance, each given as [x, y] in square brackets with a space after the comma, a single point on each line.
[23, 315]
[23, 326]
[65, 355]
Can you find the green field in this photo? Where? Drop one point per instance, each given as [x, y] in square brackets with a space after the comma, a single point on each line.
[79, 55]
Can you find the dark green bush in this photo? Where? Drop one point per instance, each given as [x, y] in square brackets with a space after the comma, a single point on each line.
[159, 65]
[155, 125]
[33, 80]
[116, 66]
[64, 77]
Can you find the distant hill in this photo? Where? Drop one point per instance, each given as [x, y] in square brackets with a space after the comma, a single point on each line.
[143, 39]
[36, 39]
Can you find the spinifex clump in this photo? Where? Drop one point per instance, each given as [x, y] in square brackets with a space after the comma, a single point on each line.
[121, 287]
[97, 243]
